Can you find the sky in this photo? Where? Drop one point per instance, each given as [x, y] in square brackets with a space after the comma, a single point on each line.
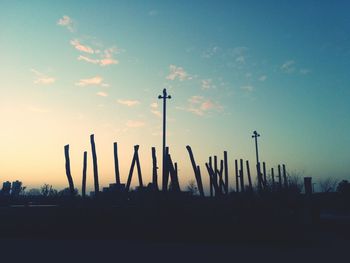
[74, 68]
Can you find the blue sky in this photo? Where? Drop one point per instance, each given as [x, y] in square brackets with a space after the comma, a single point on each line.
[74, 68]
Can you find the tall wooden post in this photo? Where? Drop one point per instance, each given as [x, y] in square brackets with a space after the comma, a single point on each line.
[116, 163]
[83, 185]
[216, 171]
[264, 173]
[68, 173]
[135, 160]
[285, 181]
[210, 178]
[196, 171]
[173, 174]
[237, 176]
[272, 179]
[279, 177]
[211, 174]
[94, 162]
[241, 175]
[226, 172]
[154, 170]
[249, 178]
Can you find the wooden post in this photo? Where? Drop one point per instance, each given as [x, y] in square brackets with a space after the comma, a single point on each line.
[68, 173]
[116, 164]
[166, 170]
[196, 171]
[134, 159]
[241, 175]
[249, 178]
[284, 176]
[237, 176]
[173, 175]
[279, 177]
[264, 173]
[221, 182]
[211, 174]
[83, 185]
[216, 170]
[226, 172]
[272, 179]
[138, 166]
[210, 178]
[94, 162]
[154, 170]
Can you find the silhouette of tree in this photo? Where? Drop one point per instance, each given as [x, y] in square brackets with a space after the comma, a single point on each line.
[47, 191]
[344, 187]
[328, 184]
[33, 192]
[192, 187]
[295, 182]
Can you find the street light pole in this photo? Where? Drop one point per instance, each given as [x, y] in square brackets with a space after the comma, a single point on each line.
[255, 136]
[164, 97]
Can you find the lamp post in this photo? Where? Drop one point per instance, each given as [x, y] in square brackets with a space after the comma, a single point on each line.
[164, 98]
[255, 136]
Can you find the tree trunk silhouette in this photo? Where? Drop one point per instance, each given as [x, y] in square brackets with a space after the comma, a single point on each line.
[83, 184]
[196, 171]
[94, 162]
[68, 173]
[116, 163]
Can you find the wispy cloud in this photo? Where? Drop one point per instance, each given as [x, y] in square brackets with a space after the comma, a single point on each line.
[263, 78]
[102, 94]
[305, 71]
[67, 22]
[129, 103]
[208, 84]
[106, 57]
[210, 52]
[42, 79]
[288, 66]
[247, 88]
[89, 60]
[134, 124]
[177, 73]
[83, 48]
[200, 106]
[155, 110]
[95, 81]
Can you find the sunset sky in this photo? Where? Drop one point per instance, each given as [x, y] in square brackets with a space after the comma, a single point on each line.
[73, 68]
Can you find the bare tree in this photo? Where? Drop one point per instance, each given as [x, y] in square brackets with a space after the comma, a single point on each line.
[328, 184]
[295, 182]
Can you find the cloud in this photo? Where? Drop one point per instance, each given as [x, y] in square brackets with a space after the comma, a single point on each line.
[263, 78]
[129, 103]
[288, 66]
[81, 47]
[177, 73]
[209, 52]
[42, 79]
[134, 124]
[89, 60]
[247, 88]
[207, 84]
[199, 105]
[102, 94]
[67, 22]
[97, 81]
[106, 58]
[154, 109]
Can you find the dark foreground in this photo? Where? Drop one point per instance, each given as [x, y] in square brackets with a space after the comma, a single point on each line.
[172, 231]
